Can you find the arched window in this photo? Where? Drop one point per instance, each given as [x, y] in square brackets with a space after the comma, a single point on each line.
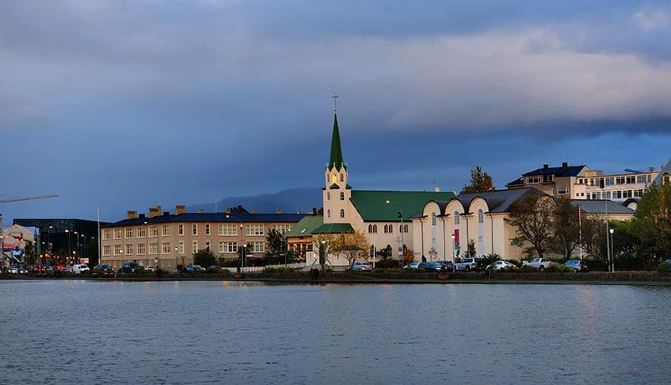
[405, 228]
[370, 228]
[328, 196]
[342, 196]
[456, 218]
[342, 177]
[433, 219]
[328, 213]
[342, 213]
[400, 228]
[481, 216]
[386, 229]
[391, 229]
[374, 229]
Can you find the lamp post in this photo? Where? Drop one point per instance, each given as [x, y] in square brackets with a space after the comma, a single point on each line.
[452, 236]
[608, 245]
[400, 247]
[176, 259]
[612, 249]
[67, 231]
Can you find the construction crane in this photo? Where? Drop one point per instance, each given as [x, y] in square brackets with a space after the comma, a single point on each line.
[27, 198]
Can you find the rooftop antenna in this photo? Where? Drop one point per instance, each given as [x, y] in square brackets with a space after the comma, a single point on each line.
[335, 102]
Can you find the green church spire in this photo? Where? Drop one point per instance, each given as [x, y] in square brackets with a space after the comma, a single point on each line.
[336, 150]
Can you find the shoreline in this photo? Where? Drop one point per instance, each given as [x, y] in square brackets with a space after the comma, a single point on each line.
[592, 278]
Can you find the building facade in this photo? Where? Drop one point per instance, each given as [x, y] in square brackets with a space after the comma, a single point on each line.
[165, 239]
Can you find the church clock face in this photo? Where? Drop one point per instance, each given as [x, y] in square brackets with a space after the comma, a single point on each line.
[334, 178]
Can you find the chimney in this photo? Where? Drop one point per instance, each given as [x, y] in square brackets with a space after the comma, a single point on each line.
[564, 165]
[141, 216]
[132, 214]
[154, 212]
[278, 211]
[546, 165]
[180, 209]
[254, 210]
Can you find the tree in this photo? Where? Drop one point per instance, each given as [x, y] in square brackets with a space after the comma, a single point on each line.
[204, 258]
[594, 237]
[325, 242]
[532, 217]
[480, 181]
[277, 244]
[566, 228]
[352, 246]
[652, 220]
[470, 249]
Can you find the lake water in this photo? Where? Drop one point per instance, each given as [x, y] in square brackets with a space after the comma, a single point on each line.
[62, 332]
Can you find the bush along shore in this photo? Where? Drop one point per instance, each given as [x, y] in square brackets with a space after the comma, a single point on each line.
[282, 275]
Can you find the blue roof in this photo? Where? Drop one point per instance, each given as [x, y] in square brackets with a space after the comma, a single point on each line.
[212, 217]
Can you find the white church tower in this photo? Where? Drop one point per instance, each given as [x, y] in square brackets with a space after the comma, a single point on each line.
[337, 192]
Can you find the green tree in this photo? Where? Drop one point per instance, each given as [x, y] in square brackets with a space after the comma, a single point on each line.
[325, 242]
[480, 182]
[532, 217]
[565, 228]
[652, 221]
[204, 258]
[594, 237]
[470, 249]
[352, 246]
[277, 244]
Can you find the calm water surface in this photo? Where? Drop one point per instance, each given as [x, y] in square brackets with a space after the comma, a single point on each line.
[62, 332]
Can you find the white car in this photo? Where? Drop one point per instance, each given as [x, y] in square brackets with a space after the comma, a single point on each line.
[80, 268]
[500, 265]
[412, 265]
[149, 268]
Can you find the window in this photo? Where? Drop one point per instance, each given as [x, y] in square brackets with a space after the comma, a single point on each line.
[627, 194]
[617, 194]
[456, 218]
[391, 229]
[619, 180]
[129, 232]
[370, 228]
[631, 179]
[180, 229]
[342, 196]
[165, 248]
[258, 247]
[141, 232]
[107, 250]
[328, 196]
[481, 216]
[374, 229]
[153, 231]
[118, 250]
[405, 228]
[194, 229]
[153, 248]
[141, 249]
[107, 234]
[207, 246]
[228, 229]
[282, 228]
[342, 213]
[534, 180]
[596, 195]
[433, 219]
[606, 195]
[180, 247]
[255, 230]
[342, 177]
[228, 247]
[118, 233]
[165, 230]
[129, 249]
[328, 213]
[207, 229]
[194, 246]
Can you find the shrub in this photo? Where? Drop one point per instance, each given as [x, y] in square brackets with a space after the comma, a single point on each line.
[564, 269]
[527, 268]
[387, 263]
[278, 270]
[664, 267]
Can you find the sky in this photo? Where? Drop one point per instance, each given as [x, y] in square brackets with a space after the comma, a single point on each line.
[125, 104]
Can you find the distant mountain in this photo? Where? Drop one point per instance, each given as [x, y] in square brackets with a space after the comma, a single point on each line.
[289, 201]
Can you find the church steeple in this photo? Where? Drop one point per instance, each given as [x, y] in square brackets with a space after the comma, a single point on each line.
[336, 160]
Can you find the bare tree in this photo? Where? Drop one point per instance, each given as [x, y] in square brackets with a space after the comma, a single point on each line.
[532, 216]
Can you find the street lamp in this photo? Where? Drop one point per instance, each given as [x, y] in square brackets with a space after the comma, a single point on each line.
[452, 236]
[612, 253]
[400, 247]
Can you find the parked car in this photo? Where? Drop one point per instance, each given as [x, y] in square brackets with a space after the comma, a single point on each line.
[426, 266]
[103, 269]
[130, 267]
[80, 268]
[149, 268]
[443, 266]
[577, 265]
[501, 265]
[539, 263]
[362, 266]
[468, 264]
[191, 268]
[215, 269]
[412, 266]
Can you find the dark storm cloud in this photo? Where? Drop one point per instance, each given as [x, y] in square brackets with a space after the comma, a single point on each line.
[140, 102]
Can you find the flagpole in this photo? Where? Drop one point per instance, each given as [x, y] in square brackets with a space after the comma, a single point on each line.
[98, 215]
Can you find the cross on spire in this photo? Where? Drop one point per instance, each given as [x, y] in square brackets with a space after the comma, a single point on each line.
[335, 102]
